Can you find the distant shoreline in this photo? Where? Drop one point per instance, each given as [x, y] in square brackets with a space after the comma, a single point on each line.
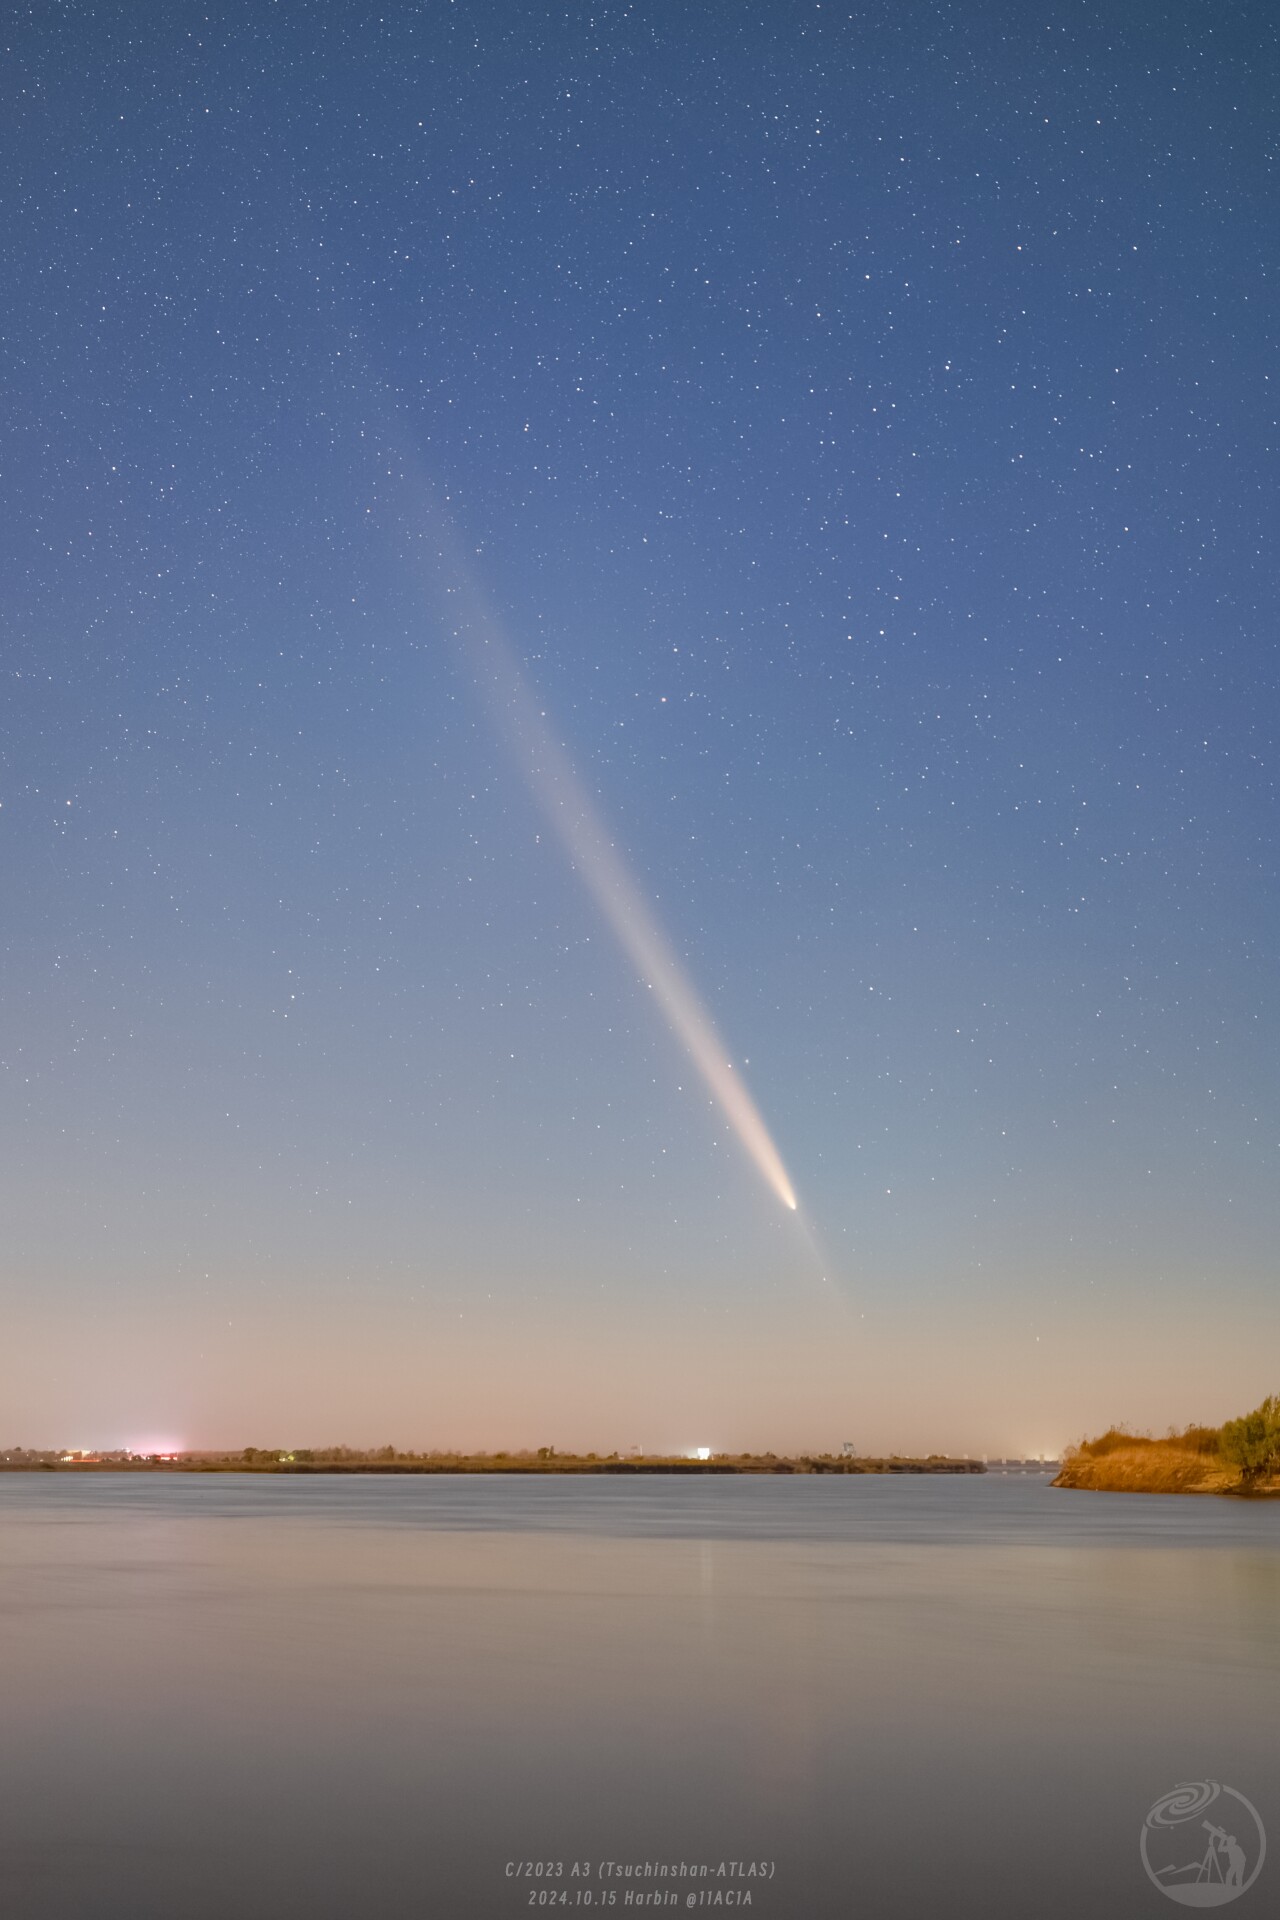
[487, 1464]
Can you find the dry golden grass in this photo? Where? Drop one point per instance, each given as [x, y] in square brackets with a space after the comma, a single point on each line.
[1193, 1461]
[1138, 1464]
[1197, 1440]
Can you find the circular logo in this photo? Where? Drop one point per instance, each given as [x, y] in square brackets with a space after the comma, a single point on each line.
[1203, 1844]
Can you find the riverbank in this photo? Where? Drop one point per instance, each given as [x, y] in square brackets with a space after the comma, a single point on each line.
[1149, 1469]
[1194, 1461]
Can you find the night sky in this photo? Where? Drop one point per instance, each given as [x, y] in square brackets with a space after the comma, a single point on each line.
[860, 428]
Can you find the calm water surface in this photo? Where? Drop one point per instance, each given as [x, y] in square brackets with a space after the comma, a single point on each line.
[237, 1698]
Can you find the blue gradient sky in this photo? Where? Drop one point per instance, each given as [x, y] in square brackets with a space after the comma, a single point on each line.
[862, 427]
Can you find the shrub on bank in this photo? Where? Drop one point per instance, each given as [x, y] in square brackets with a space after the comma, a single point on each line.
[1252, 1442]
[1114, 1440]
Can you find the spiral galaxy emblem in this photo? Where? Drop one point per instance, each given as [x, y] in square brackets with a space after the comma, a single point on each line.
[1203, 1844]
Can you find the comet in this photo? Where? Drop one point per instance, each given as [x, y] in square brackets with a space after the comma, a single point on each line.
[594, 854]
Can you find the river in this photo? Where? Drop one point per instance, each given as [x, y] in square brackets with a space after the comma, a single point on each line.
[232, 1697]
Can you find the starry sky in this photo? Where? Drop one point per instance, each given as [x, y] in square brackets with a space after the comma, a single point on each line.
[858, 427]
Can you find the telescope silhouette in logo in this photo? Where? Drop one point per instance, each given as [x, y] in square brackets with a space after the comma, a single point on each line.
[1217, 1875]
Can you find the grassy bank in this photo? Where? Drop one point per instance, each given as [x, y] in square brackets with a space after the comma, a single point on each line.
[1240, 1457]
